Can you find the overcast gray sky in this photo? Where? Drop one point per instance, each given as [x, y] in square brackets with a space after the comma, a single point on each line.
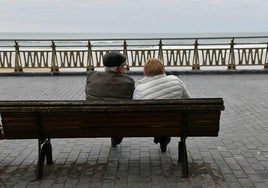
[132, 16]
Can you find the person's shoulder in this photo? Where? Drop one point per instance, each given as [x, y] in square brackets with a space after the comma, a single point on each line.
[174, 78]
[94, 74]
[128, 77]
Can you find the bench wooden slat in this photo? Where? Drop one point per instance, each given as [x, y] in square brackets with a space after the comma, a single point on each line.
[19, 125]
[147, 131]
[77, 133]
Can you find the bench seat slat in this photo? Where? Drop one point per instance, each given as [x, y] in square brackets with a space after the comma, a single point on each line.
[19, 125]
[77, 133]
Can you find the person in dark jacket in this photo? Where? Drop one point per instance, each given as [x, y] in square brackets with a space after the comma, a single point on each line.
[112, 84]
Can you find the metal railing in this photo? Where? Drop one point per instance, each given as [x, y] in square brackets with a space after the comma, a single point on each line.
[229, 52]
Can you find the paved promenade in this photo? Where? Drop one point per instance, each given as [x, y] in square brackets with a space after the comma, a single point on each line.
[238, 157]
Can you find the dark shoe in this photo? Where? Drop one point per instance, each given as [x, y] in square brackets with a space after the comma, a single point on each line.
[114, 144]
[116, 141]
[157, 140]
[164, 143]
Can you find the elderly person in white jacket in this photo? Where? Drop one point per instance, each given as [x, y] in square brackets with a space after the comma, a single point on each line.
[157, 85]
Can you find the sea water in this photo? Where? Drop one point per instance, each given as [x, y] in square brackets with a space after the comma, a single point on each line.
[132, 38]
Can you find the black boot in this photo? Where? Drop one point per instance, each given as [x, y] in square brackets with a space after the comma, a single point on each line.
[116, 140]
[163, 144]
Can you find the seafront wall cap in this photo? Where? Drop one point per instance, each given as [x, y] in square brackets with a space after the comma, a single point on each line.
[113, 59]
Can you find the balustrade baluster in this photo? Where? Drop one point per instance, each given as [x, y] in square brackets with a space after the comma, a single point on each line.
[231, 65]
[54, 65]
[196, 65]
[18, 67]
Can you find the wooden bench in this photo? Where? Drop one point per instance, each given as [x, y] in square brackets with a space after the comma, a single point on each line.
[44, 120]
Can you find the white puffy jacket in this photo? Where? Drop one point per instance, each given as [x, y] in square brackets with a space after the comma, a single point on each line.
[160, 87]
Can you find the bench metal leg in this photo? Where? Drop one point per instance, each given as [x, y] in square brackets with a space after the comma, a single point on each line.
[180, 153]
[41, 157]
[49, 153]
[184, 159]
[44, 151]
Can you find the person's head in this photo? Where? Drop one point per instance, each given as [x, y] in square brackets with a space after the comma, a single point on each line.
[114, 61]
[153, 67]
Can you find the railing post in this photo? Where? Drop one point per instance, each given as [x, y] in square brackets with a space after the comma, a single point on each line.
[231, 65]
[125, 53]
[196, 65]
[54, 67]
[266, 59]
[160, 51]
[90, 66]
[18, 67]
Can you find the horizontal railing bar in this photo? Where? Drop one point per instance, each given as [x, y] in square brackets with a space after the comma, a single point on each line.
[198, 44]
[32, 46]
[36, 50]
[6, 46]
[167, 45]
[240, 43]
[157, 38]
[50, 46]
[129, 45]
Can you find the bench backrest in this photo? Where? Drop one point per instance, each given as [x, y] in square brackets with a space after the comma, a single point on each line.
[128, 118]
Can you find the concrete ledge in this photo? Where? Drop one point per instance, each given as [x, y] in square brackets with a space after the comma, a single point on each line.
[213, 72]
[140, 73]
